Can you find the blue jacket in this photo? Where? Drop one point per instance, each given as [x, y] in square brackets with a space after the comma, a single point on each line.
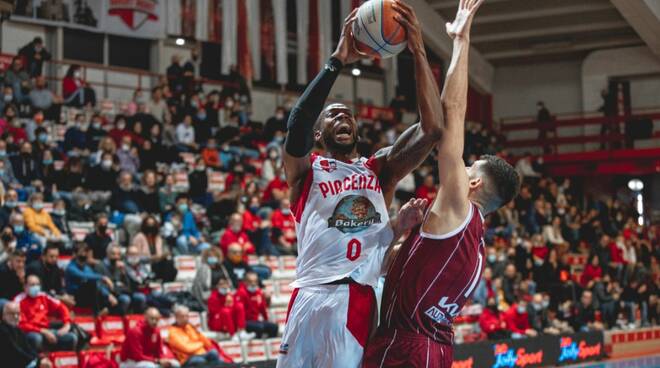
[189, 227]
[76, 275]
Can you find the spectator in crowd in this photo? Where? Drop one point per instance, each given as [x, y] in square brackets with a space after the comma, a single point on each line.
[127, 155]
[38, 220]
[158, 107]
[13, 342]
[143, 346]
[38, 310]
[50, 274]
[9, 207]
[166, 195]
[99, 239]
[492, 323]
[188, 344]
[151, 248]
[607, 295]
[236, 263]
[537, 310]
[7, 177]
[226, 313]
[19, 79]
[210, 154]
[114, 269]
[544, 119]
[509, 283]
[103, 177]
[428, 189]
[584, 318]
[284, 228]
[95, 133]
[25, 166]
[44, 99]
[198, 181]
[185, 135]
[517, 321]
[525, 167]
[234, 234]
[609, 110]
[125, 197]
[35, 54]
[175, 75]
[188, 239]
[274, 124]
[75, 90]
[256, 308]
[12, 276]
[148, 198]
[208, 273]
[25, 239]
[89, 289]
[556, 326]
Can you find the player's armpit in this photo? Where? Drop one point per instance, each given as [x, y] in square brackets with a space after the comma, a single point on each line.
[451, 204]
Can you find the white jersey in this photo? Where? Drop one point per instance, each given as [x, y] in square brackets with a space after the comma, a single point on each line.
[342, 223]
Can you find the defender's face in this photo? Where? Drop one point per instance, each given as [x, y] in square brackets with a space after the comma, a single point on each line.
[338, 128]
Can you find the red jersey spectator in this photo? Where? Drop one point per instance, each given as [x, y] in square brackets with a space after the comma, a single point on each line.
[492, 323]
[276, 189]
[284, 228]
[254, 301]
[427, 190]
[226, 312]
[592, 271]
[143, 343]
[517, 320]
[16, 131]
[236, 234]
[119, 131]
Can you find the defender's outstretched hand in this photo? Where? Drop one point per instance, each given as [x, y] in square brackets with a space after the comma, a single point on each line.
[460, 27]
[408, 19]
[347, 51]
[411, 214]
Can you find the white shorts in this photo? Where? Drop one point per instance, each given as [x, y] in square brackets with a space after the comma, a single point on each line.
[327, 326]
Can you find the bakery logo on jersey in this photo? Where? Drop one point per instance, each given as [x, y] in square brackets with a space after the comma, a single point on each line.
[508, 358]
[440, 312]
[573, 351]
[328, 165]
[353, 214]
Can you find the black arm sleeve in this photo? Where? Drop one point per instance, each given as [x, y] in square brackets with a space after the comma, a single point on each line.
[300, 136]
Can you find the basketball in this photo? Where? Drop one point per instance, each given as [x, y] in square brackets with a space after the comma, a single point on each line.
[377, 32]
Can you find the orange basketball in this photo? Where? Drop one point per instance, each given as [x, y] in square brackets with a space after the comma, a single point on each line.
[376, 31]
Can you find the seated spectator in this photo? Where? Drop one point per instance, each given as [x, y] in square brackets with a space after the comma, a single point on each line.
[25, 239]
[13, 342]
[95, 133]
[89, 288]
[143, 346]
[103, 177]
[592, 271]
[236, 263]
[484, 289]
[256, 308]
[148, 199]
[38, 311]
[151, 248]
[185, 135]
[284, 228]
[99, 239]
[555, 325]
[9, 207]
[32, 129]
[114, 268]
[492, 323]
[199, 184]
[119, 131]
[208, 273]
[210, 155]
[38, 220]
[7, 174]
[58, 214]
[19, 79]
[226, 312]
[166, 195]
[552, 234]
[129, 159]
[138, 271]
[537, 312]
[234, 234]
[428, 189]
[517, 321]
[584, 318]
[75, 138]
[124, 197]
[188, 344]
[25, 166]
[188, 239]
[12, 276]
[75, 90]
[276, 190]
[158, 107]
[70, 178]
[50, 274]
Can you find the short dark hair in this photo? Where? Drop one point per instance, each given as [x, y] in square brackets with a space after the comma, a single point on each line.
[504, 180]
[80, 246]
[50, 246]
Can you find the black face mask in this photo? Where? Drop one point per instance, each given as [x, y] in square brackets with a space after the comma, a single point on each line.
[102, 228]
[81, 258]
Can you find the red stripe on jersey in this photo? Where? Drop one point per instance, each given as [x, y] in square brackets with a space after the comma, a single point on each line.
[361, 309]
[298, 207]
[291, 301]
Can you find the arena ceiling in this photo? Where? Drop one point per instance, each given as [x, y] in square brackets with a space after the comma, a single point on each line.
[509, 32]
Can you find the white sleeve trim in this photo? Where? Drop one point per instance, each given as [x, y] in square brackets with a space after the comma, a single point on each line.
[453, 232]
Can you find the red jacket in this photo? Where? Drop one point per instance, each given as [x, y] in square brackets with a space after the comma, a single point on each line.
[590, 273]
[424, 192]
[490, 321]
[69, 86]
[254, 303]
[241, 238]
[616, 254]
[285, 223]
[251, 222]
[516, 322]
[276, 183]
[36, 312]
[142, 343]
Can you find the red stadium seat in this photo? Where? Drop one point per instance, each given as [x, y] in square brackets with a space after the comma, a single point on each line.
[273, 347]
[255, 351]
[110, 329]
[233, 349]
[63, 359]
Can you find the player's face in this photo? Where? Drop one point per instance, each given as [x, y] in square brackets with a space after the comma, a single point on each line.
[338, 129]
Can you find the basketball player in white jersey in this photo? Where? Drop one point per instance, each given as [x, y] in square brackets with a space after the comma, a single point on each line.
[340, 203]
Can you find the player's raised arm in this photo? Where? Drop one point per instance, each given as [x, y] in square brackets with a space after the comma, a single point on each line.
[300, 137]
[414, 145]
[452, 201]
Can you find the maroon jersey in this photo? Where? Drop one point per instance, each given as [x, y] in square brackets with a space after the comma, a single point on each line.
[431, 279]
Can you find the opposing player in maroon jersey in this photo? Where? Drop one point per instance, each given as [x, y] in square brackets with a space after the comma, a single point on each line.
[438, 267]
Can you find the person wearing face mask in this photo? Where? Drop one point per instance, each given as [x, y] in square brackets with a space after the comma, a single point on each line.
[198, 184]
[38, 310]
[188, 239]
[517, 321]
[256, 307]
[538, 313]
[35, 54]
[75, 91]
[103, 177]
[235, 234]
[13, 342]
[129, 160]
[25, 239]
[95, 132]
[6, 101]
[203, 128]
[75, 139]
[276, 190]
[208, 274]
[38, 220]
[25, 166]
[114, 268]
[44, 99]
[492, 322]
[99, 239]
[226, 313]
[51, 276]
[185, 135]
[89, 288]
[34, 123]
[119, 131]
[237, 265]
[9, 207]
[276, 123]
[7, 176]
[210, 154]
[149, 244]
[284, 228]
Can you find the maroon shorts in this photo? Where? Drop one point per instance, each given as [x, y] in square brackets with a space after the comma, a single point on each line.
[406, 349]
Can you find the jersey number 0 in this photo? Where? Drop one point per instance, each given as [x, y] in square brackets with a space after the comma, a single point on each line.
[353, 250]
